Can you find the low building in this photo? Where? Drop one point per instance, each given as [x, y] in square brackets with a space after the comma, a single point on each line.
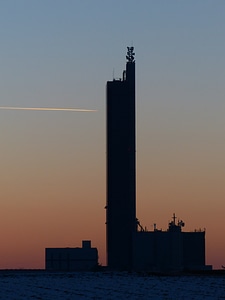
[171, 250]
[71, 259]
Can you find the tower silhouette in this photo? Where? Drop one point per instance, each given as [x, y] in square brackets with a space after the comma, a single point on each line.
[121, 168]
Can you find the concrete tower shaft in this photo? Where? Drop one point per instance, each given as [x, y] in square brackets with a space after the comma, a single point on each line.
[121, 165]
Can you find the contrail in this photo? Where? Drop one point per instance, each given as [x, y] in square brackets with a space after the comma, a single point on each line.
[47, 109]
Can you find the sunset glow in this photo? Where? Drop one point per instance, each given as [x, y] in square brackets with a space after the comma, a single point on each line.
[56, 58]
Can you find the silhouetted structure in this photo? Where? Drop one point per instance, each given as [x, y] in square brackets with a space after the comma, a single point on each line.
[171, 250]
[121, 190]
[128, 248]
[72, 259]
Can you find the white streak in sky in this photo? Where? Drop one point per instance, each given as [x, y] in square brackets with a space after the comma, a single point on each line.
[47, 109]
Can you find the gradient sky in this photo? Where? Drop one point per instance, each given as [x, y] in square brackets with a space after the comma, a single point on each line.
[58, 53]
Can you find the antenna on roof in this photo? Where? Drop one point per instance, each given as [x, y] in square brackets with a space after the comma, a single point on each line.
[130, 54]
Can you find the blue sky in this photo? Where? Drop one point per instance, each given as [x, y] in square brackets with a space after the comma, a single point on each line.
[58, 53]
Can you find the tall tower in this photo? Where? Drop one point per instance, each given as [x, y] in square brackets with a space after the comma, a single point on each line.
[121, 165]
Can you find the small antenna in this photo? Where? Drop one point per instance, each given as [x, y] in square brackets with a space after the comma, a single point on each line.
[130, 54]
[113, 74]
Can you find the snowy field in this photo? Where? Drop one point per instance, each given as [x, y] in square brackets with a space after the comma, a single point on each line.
[107, 285]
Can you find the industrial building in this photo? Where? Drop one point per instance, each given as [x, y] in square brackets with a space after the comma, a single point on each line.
[170, 250]
[72, 259]
[128, 248]
[121, 187]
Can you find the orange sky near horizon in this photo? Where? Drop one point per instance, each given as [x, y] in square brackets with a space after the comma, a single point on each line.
[55, 197]
[53, 163]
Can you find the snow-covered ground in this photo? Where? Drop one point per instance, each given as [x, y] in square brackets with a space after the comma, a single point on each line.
[107, 285]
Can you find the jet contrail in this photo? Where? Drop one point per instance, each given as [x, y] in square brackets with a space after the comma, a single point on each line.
[47, 109]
